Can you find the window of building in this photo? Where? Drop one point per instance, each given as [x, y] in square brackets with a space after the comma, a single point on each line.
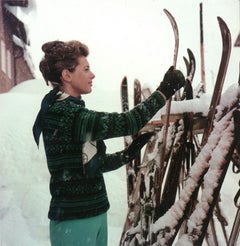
[9, 65]
[3, 57]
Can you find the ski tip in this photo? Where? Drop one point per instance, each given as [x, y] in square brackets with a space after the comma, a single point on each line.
[222, 24]
[170, 16]
[191, 64]
[174, 26]
[166, 11]
[136, 81]
[124, 80]
[190, 54]
[225, 32]
[221, 21]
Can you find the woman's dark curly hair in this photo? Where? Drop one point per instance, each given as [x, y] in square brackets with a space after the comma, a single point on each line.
[58, 56]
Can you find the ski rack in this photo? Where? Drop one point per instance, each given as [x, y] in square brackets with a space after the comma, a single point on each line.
[142, 227]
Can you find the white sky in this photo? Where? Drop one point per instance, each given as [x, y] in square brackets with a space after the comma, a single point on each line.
[134, 37]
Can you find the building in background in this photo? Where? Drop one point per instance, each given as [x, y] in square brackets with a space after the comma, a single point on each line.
[15, 62]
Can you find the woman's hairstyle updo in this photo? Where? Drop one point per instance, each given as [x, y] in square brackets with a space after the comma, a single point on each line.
[59, 56]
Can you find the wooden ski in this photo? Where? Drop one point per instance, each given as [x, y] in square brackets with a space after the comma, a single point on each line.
[168, 108]
[226, 51]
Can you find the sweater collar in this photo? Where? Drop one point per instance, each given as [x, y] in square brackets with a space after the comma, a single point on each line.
[49, 99]
[64, 96]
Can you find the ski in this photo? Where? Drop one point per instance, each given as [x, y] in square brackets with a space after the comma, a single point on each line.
[226, 51]
[137, 99]
[190, 65]
[191, 68]
[137, 92]
[182, 147]
[124, 95]
[159, 176]
[188, 94]
[176, 35]
[129, 170]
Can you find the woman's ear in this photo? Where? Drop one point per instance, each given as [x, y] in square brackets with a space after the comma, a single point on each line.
[66, 75]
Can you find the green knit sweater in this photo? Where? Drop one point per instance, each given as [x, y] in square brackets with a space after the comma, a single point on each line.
[67, 126]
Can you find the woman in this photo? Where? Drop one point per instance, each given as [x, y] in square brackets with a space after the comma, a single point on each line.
[73, 140]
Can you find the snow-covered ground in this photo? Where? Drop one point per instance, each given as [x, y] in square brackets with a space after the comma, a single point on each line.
[24, 177]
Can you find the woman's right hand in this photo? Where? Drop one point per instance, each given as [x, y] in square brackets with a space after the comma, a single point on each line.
[173, 80]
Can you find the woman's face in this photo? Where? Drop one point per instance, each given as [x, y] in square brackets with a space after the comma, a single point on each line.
[80, 80]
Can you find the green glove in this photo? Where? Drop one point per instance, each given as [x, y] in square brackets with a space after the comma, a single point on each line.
[133, 149]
